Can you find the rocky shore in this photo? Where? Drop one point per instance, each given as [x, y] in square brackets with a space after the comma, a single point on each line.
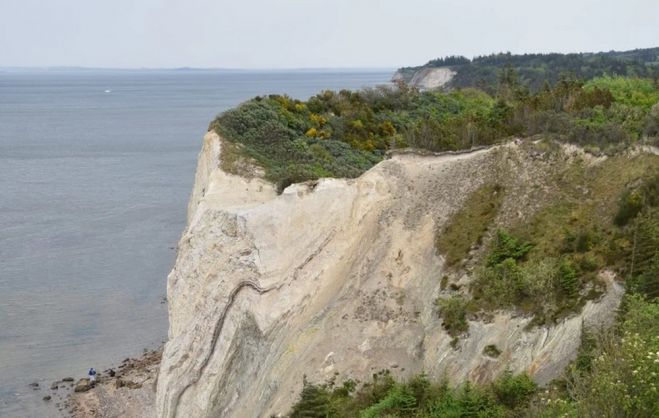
[127, 390]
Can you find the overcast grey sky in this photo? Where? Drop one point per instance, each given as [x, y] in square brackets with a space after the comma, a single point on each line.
[310, 33]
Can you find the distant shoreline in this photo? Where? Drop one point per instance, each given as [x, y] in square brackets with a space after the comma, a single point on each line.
[195, 70]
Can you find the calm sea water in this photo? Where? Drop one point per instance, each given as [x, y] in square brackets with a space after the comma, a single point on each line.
[95, 172]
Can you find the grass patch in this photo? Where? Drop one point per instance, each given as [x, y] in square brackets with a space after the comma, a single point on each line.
[589, 198]
[467, 226]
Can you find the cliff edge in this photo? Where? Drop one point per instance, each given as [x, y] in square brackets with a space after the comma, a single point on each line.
[338, 278]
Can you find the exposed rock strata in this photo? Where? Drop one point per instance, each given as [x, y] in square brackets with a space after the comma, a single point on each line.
[426, 78]
[338, 277]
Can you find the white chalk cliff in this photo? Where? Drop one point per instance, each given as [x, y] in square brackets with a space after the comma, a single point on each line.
[427, 78]
[336, 277]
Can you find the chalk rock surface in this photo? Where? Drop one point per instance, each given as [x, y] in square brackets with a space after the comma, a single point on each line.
[426, 78]
[336, 277]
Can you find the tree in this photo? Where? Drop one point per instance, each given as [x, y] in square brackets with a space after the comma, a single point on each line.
[314, 402]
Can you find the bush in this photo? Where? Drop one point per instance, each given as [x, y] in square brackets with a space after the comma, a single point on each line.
[491, 350]
[644, 258]
[506, 247]
[502, 285]
[630, 205]
[629, 91]
[454, 314]
[467, 401]
[568, 281]
[314, 402]
[514, 391]
[400, 400]
[651, 129]
[624, 374]
[295, 140]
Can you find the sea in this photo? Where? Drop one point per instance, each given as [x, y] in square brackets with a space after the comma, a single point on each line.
[96, 167]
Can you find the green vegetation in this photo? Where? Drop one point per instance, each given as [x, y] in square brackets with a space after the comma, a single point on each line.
[536, 69]
[492, 350]
[454, 314]
[617, 371]
[467, 227]
[618, 375]
[634, 200]
[595, 217]
[343, 134]
[509, 396]
[626, 91]
[507, 247]
[271, 132]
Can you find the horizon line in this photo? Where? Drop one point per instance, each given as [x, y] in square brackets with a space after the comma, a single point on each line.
[255, 69]
[184, 68]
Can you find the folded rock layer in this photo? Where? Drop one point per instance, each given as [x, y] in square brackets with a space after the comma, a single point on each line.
[334, 278]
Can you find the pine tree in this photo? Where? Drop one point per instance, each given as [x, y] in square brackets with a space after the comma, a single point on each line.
[314, 402]
[568, 281]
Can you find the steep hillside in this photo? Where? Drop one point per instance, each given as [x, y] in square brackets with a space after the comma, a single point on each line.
[342, 278]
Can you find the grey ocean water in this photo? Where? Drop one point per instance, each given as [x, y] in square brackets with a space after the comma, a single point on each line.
[95, 172]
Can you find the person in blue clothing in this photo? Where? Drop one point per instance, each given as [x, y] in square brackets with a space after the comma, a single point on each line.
[92, 375]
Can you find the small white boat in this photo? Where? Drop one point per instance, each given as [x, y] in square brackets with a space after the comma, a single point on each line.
[108, 91]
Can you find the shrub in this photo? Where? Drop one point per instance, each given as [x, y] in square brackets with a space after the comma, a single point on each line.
[399, 400]
[652, 123]
[624, 374]
[501, 285]
[514, 391]
[630, 205]
[314, 402]
[568, 281]
[454, 314]
[491, 350]
[506, 246]
[644, 259]
[630, 91]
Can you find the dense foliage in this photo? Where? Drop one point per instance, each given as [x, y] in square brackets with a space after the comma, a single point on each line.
[342, 134]
[416, 398]
[536, 69]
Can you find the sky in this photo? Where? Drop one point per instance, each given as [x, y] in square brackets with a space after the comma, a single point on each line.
[271, 34]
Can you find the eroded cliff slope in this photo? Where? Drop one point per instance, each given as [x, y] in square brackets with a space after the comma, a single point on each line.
[339, 278]
[426, 78]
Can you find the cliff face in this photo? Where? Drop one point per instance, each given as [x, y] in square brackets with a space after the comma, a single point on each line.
[338, 277]
[425, 78]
